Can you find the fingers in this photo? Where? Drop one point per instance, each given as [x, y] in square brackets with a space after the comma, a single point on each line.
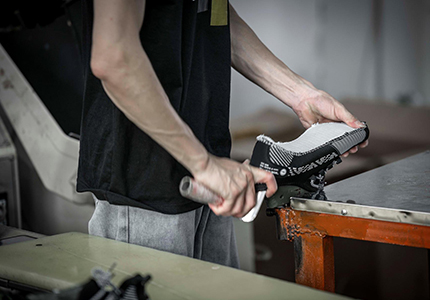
[343, 115]
[232, 205]
[235, 183]
[261, 176]
[353, 150]
[241, 196]
[250, 197]
[346, 117]
[250, 201]
[247, 199]
[364, 144]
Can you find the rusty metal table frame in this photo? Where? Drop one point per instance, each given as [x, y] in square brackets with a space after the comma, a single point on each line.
[312, 234]
[401, 218]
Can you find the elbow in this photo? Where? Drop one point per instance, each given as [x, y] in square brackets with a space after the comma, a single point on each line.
[104, 65]
[99, 68]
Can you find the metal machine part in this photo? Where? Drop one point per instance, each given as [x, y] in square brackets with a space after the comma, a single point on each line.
[62, 261]
[3, 211]
[53, 153]
[398, 192]
[11, 235]
[10, 202]
[361, 211]
[283, 195]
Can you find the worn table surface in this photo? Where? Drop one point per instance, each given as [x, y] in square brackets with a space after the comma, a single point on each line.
[404, 184]
[65, 260]
[398, 192]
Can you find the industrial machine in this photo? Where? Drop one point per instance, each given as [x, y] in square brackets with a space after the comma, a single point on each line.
[47, 161]
[10, 202]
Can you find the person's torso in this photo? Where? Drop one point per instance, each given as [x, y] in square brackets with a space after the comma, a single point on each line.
[118, 161]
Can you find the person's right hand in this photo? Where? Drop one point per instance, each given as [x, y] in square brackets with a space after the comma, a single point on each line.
[316, 106]
[234, 182]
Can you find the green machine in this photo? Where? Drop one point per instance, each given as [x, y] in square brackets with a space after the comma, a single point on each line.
[66, 260]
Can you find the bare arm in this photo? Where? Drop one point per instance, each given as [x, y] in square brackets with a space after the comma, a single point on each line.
[254, 60]
[119, 60]
[128, 78]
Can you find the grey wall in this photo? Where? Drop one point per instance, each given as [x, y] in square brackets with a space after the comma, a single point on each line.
[336, 45]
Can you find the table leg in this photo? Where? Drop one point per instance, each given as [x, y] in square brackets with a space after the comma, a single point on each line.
[314, 261]
[428, 268]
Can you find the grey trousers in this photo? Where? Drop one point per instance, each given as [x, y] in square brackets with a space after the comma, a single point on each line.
[199, 233]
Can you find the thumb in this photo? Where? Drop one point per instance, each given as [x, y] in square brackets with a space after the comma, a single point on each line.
[261, 176]
[349, 119]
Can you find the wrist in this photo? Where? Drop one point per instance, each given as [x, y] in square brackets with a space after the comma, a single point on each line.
[199, 163]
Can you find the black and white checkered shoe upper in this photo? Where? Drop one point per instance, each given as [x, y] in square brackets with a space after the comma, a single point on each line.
[312, 153]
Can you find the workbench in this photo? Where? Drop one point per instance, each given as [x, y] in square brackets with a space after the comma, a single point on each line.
[390, 204]
[66, 260]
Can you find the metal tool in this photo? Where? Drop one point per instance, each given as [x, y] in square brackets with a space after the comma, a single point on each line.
[193, 190]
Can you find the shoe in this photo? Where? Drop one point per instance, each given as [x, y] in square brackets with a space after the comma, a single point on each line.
[300, 166]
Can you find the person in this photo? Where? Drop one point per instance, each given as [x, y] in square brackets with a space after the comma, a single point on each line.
[156, 108]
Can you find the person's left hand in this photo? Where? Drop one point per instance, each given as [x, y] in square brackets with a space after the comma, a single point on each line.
[316, 106]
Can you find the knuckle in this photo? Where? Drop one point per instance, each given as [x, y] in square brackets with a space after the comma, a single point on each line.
[270, 176]
[234, 192]
[243, 185]
[248, 174]
[221, 212]
[216, 211]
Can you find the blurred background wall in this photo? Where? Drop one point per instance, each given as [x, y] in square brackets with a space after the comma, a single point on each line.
[370, 49]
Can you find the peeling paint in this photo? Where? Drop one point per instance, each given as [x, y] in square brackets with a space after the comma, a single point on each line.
[290, 225]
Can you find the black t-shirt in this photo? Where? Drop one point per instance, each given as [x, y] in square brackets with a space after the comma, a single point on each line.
[120, 163]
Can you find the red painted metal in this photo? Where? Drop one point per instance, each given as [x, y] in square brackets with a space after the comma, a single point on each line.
[313, 244]
[313, 252]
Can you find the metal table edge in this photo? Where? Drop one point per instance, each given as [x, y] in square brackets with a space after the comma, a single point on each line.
[361, 211]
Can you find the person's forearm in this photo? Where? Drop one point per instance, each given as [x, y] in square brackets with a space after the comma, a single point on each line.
[120, 62]
[133, 86]
[255, 61]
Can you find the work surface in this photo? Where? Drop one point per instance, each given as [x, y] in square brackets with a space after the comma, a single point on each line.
[65, 260]
[397, 192]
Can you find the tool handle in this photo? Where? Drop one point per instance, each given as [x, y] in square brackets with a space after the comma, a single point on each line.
[193, 190]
